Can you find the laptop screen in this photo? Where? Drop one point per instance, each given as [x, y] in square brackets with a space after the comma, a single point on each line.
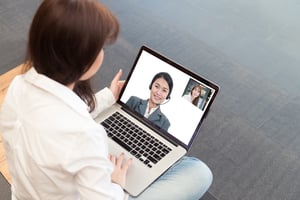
[167, 96]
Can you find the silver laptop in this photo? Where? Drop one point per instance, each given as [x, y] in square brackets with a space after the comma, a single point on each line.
[156, 143]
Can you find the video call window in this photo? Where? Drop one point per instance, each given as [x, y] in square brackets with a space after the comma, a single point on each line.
[197, 94]
[184, 117]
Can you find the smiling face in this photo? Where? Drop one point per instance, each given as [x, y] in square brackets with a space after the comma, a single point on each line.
[196, 92]
[159, 92]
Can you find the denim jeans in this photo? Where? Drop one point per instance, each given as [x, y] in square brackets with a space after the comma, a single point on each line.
[187, 179]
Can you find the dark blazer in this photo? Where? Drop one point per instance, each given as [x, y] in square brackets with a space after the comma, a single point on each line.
[157, 117]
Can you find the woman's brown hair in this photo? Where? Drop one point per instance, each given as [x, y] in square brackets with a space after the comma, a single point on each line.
[65, 38]
[196, 100]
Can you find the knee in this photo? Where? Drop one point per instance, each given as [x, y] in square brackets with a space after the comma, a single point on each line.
[206, 174]
[202, 175]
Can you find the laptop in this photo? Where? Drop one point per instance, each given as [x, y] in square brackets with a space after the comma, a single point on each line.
[156, 143]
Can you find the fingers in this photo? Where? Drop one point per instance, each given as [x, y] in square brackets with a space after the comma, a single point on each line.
[112, 158]
[120, 169]
[117, 84]
[117, 76]
[127, 164]
[121, 83]
[118, 161]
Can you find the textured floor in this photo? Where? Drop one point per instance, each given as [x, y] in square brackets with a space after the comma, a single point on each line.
[4, 189]
[251, 137]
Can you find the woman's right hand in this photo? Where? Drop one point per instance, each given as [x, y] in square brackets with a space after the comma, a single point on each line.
[120, 169]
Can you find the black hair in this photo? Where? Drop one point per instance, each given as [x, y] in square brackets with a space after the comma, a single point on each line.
[165, 76]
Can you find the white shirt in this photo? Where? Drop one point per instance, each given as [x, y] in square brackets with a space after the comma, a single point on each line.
[189, 98]
[54, 148]
[147, 112]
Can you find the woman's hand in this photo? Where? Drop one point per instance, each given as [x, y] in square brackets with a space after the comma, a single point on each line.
[116, 84]
[120, 169]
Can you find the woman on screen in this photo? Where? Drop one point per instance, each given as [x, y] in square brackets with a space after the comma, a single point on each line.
[194, 96]
[160, 90]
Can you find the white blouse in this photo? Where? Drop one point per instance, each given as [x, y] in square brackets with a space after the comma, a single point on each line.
[54, 148]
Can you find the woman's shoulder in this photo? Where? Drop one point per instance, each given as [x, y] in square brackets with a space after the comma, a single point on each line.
[134, 99]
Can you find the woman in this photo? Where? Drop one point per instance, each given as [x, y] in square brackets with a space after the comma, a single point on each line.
[194, 96]
[54, 148]
[160, 90]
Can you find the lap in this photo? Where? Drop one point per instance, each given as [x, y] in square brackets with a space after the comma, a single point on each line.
[189, 178]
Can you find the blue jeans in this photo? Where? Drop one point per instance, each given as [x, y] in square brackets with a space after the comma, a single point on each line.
[187, 179]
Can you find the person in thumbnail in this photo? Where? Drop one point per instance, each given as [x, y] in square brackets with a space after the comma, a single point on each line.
[160, 90]
[194, 96]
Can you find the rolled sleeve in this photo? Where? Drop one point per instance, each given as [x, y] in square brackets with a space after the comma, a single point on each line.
[104, 99]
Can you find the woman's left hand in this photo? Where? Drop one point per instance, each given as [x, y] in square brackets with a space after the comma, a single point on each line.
[116, 84]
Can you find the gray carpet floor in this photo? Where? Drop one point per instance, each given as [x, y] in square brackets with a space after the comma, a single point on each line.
[250, 138]
[4, 189]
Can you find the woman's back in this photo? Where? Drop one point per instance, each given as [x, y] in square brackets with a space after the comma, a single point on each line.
[49, 137]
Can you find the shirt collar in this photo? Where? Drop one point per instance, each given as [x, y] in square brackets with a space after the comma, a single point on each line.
[147, 112]
[57, 89]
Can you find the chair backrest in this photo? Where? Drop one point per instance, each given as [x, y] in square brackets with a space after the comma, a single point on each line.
[5, 80]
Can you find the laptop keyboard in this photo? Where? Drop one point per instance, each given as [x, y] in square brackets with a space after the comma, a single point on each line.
[135, 140]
